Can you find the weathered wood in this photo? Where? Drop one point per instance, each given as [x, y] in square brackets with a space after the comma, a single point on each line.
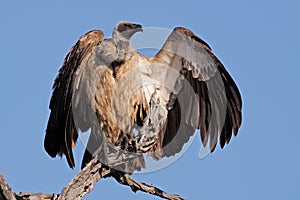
[135, 186]
[36, 196]
[86, 179]
[83, 183]
[5, 190]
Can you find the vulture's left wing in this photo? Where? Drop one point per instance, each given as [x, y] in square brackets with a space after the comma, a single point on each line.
[204, 96]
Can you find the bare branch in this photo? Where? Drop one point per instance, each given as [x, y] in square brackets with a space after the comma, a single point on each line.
[36, 196]
[84, 181]
[135, 186]
[5, 191]
[80, 185]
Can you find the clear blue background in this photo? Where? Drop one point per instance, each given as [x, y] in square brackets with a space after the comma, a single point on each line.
[258, 41]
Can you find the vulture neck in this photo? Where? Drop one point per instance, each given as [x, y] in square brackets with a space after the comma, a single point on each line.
[123, 46]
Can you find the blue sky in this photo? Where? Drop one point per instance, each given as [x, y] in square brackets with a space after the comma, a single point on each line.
[256, 40]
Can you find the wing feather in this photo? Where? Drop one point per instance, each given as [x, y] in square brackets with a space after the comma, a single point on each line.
[61, 132]
[208, 98]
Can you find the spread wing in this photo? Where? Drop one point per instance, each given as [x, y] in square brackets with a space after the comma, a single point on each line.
[61, 133]
[204, 96]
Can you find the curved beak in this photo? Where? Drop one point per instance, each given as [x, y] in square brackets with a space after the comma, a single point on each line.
[137, 27]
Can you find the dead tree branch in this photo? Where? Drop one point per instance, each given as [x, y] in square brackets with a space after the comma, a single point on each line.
[86, 179]
[135, 186]
[5, 190]
[83, 183]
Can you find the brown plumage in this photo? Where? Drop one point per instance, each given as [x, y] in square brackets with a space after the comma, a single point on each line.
[107, 86]
[61, 133]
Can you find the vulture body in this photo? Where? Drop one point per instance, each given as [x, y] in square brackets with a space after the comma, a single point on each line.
[106, 86]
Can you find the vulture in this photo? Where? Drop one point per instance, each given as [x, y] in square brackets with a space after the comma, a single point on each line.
[135, 105]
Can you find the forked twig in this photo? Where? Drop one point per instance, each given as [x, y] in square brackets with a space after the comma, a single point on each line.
[135, 186]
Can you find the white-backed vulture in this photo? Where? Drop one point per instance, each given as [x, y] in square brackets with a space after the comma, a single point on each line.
[107, 86]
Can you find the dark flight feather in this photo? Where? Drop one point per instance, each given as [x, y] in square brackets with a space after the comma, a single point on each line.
[61, 133]
[218, 110]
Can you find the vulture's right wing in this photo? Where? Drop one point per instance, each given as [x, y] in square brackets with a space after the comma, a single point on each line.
[61, 133]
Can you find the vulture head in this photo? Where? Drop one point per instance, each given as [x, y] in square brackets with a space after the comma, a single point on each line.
[122, 33]
[126, 29]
